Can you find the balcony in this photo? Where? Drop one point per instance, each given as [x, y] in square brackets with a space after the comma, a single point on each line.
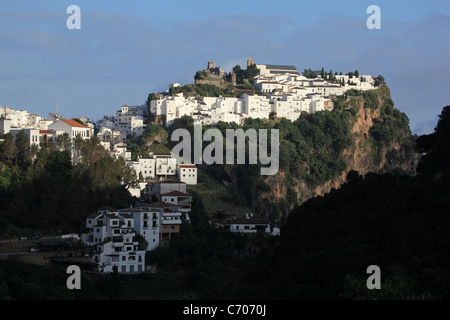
[117, 239]
[167, 221]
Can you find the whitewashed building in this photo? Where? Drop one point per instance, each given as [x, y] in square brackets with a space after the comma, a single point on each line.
[154, 189]
[33, 135]
[187, 173]
[129, 119]
[165, 164]
[72, 128]
[249, 224]
[110, 234]
[147, 222]
[145, 167]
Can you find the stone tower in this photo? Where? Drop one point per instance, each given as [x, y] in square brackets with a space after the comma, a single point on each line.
[211, 64]
[250, 62]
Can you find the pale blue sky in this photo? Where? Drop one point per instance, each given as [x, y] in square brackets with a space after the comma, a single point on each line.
[127, 49]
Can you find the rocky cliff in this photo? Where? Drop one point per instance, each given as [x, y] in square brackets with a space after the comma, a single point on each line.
[381, 141]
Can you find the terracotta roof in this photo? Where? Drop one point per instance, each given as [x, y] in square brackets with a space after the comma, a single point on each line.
[161, 204]
[73, 123]
[174, 193]
[187, 166]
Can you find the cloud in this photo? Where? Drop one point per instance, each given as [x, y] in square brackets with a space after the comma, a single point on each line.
[425, 126]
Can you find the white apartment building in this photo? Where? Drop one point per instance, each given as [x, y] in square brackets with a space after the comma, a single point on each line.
[109, 137]
[107, 122]
[147, 222]
[111, 237]
[154, 189]
[270, 70]
[172, 216]
[177, 198]
[158, 221]
[256, 106]
[129, 119]
[34, 135]
[44, 123]
[18, 118]
[145, 167]
[187, 173]
[33, 120]
[165, 165]
[120, 150]
[5, 124]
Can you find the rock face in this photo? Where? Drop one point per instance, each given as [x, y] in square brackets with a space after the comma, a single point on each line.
[359, 157]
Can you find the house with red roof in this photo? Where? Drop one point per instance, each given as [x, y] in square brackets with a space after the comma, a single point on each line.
[72, 128]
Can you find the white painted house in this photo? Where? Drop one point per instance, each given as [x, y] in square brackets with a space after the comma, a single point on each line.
[154, 189]
[145, 167]
[147, 222]
[187, 173]
[165, 165]
[111, 237]
[249, 224]
[72, 128]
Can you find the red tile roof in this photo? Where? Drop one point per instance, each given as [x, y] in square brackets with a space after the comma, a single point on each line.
[74, 123]
[161, 204]
[188, 166]
[174, 193]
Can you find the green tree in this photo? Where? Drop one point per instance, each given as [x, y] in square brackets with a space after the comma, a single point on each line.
[252, 72]
[23, 149]
[63, 142]
[7, 148]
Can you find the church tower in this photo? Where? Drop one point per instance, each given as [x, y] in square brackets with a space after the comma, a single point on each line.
[250, 62]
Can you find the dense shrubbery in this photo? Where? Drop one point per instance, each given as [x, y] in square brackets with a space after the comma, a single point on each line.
[311, 146]
[52, 193]
[400, 223]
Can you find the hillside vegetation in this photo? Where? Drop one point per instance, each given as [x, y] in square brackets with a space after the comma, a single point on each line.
[398, 222]
[364, 132]
[51, 194]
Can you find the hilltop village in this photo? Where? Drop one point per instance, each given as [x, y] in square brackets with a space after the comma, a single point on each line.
[274, 91]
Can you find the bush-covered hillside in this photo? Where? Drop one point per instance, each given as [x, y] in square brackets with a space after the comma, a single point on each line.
[400, 223]
[50, 193]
